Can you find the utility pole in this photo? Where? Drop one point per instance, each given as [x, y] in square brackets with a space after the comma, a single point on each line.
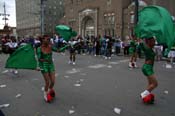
[136, 2]
[5, 14]
[136, 11]
[42, 5]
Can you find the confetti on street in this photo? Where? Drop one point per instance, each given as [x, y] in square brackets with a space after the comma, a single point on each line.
[117, 110]
[3, 86]
[166, 92]
[66, 76]
[6, 71]
[77, 85]
[4, 105]
[97, 66]
[18, 95]
[71, 111]
[109, 66]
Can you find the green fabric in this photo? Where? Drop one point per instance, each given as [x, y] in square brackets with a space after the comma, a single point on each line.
[166, 53]
[74, 33]
[147, 69]
[46, 66]
[132, 48]
[22, 58]
[132, 43]
[149, 53]
[63, 48]
[156, 21]
[46, 56]
[48, 59]
[138, 46]
[65, 31]
[54, 49]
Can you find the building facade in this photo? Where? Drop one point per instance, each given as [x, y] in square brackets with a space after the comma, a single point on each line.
[54, 11]
[129, 12]
[106, 17]
[6, 30]
[29, 20]
[27, 17]
[93, 17]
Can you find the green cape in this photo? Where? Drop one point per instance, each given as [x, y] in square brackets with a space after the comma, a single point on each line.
[22, 58]
[65, 31]
[156, 21]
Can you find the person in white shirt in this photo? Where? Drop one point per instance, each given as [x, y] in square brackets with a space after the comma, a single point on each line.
[158, 50]
[37, 42]
[12, 45]
[72, 49]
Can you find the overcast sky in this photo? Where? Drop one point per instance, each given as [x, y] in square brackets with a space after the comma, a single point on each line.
[10, 9]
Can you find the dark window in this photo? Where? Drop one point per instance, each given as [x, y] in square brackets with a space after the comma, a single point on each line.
[113, 32]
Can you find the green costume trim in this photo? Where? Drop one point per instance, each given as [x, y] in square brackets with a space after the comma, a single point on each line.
[132, 48]
[47, 65]
[147, 69]
[149, 53]
[63, 48]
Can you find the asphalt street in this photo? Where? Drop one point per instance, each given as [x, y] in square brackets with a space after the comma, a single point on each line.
[92, 87]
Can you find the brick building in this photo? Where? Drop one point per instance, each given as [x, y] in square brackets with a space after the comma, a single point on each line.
[110, 17]
[28, 16]
[6, 30]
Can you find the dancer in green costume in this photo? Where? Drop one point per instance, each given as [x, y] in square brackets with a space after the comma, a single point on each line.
[132, 52]
[153, 21]
[44, 54]
[147, 68]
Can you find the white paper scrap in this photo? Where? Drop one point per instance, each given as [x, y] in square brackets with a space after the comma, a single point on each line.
[109, 66]
[71, 111]
[66, 76]
[6, 71]
[4, 105]
[117, 110]
[166, 92]
[77, 85]
[2, 86]
[42, 89]
[18, 95]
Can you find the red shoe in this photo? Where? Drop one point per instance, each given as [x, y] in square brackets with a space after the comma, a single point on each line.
[48, 98]
[52, 93]
[133, 65]
[149, 99]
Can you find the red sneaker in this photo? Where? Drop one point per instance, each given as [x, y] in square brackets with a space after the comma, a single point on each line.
[49, 98]
[149, 99]
[133, 65]
[52, 93]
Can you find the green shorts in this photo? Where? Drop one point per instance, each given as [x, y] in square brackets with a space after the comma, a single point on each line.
[132, 50]
[47, 67]
[147, 69]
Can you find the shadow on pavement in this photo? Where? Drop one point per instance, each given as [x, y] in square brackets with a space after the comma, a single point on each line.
[1, 113]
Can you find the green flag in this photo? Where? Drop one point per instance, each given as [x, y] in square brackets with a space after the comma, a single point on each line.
[156, 21]
[65, 31]
[22, 58]
[63, 48]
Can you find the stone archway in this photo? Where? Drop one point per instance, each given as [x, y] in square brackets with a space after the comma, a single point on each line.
[129, 16]
[88, 22]
[88, 26]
